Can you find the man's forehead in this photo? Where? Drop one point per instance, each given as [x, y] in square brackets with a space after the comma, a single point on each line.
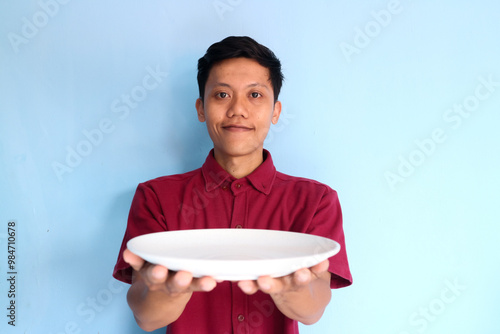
[227, 72]
[239, 65]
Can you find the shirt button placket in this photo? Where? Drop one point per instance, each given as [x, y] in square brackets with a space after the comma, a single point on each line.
[239, 209]
[239, 310]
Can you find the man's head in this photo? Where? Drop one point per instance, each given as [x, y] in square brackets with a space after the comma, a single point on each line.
[239, 86]
[240, 47]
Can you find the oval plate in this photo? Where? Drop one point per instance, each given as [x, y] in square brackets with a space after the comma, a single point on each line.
[233, 254]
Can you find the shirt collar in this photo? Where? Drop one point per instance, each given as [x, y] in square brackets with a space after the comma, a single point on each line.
[261, 178]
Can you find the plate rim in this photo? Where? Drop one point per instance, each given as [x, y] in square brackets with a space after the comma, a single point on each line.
[310, 260]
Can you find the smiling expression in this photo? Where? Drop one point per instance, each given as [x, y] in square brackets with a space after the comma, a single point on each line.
[238, 107]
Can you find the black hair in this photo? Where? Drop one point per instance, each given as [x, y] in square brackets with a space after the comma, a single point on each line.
[235, 47]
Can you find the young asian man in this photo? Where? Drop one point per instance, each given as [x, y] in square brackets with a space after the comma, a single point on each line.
[239, 82]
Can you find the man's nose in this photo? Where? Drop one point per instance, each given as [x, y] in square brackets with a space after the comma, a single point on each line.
[238, 107]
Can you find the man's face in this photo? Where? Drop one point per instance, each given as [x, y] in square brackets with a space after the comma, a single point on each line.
[238, 107]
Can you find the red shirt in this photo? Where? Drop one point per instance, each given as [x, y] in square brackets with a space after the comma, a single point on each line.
[209, 197]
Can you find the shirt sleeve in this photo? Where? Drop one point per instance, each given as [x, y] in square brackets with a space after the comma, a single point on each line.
[145, 216]
[327, 222]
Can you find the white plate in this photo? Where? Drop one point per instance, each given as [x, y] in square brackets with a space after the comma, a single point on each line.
[233, 254]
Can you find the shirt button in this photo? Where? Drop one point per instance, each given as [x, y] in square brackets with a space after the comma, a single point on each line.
[241, 318]
[224, 187]
[238, 185]
[239, 226]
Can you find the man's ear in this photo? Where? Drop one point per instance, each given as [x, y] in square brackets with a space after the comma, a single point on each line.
[276, 112]
[200, 110]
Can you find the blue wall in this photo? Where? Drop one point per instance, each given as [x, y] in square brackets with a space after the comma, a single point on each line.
[395, 104]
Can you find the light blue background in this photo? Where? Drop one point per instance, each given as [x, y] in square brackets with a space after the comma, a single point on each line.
[350, 118]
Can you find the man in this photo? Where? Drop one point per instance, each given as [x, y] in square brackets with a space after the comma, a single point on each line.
[237, 187]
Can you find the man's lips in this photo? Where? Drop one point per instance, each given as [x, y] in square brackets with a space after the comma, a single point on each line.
[236, 127]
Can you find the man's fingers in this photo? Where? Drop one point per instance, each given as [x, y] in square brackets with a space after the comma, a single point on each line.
[271, 285]
[294, 281]
[135, 261]
[206, 283]
[248, 287]
[320, 267]
[302, 276]
[183, 281]
[180, 281]
[158, 274]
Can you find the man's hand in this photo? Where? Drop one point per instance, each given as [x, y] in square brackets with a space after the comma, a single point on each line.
[302, 295]
[157, 297]
[293, 282]
[158, 278]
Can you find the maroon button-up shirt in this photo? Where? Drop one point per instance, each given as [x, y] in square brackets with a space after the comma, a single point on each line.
[209, 197]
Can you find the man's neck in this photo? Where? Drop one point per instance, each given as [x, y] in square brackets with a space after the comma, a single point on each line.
[239, 166]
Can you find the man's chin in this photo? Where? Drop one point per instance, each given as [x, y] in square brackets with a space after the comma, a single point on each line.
[239, 151]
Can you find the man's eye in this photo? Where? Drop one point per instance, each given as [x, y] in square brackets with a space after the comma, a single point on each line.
[222, 95]
[255, 95]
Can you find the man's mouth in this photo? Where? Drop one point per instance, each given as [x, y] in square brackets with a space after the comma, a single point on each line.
[236, 127]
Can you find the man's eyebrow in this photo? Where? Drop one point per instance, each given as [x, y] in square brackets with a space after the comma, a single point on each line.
[254, 84]
[222, 84]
